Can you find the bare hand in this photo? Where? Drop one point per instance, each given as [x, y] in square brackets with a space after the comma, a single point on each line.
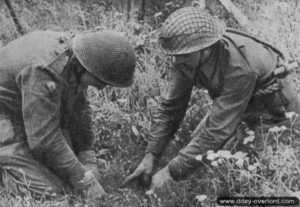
[162, 181]
[95, 191]
[143, 171]
[89, 187]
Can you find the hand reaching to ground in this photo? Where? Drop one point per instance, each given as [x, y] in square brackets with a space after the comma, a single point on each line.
[143, 172]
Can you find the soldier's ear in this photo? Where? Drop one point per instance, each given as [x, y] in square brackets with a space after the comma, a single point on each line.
[207, 51]
[204, 54]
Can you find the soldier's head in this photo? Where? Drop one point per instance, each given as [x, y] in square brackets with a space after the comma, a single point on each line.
[107, 59]
[188, 34]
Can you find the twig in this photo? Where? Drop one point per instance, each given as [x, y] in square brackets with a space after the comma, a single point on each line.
[238, 15]
[14, 17]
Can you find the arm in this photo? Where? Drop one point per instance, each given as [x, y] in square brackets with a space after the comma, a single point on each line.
[41, 101]
[170, 113]
[218, 126]
[80, 128]
[80, 125]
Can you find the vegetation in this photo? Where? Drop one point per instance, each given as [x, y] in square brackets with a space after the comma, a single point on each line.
[122, 117]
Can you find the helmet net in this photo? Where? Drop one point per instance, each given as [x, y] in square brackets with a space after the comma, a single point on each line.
[188, 30]
[107, 55]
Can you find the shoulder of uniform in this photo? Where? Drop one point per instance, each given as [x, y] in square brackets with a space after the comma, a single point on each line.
[248, 40]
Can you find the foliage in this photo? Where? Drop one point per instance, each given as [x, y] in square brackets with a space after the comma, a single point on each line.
[122, 117]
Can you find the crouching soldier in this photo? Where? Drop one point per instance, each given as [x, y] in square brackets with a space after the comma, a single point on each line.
[46, 138]
[239, 72]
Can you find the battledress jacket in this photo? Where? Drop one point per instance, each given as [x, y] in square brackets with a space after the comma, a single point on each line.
[42, 98]
[237, 67]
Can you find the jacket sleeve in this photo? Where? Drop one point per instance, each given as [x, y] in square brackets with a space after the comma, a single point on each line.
[171, 110]
[227, 111]
[41, 102]
[219, 125]
[80, 125]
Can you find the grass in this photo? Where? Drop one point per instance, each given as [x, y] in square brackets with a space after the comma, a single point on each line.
[122, 117]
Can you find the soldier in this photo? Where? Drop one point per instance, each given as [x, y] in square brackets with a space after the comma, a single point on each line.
[238, 72]
[46, 138]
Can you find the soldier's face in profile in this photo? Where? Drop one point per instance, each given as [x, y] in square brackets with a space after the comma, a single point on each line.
[187, 64]
[88, 79]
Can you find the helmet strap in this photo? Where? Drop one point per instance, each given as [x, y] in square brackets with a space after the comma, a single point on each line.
[79, 70]
[74, 63]
[73, 66]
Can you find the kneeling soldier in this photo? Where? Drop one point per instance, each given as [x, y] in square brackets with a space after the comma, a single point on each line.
[46, 138]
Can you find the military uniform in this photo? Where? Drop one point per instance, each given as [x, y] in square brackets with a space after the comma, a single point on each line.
[236, 70]
[44, 115]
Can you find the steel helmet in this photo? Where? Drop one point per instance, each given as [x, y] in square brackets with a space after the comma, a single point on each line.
[107, 55]
[189, 29]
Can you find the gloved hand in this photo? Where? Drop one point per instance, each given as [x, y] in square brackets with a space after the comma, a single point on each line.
[162, 181]
[89, 160]
[89, 187]
[143, 171]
